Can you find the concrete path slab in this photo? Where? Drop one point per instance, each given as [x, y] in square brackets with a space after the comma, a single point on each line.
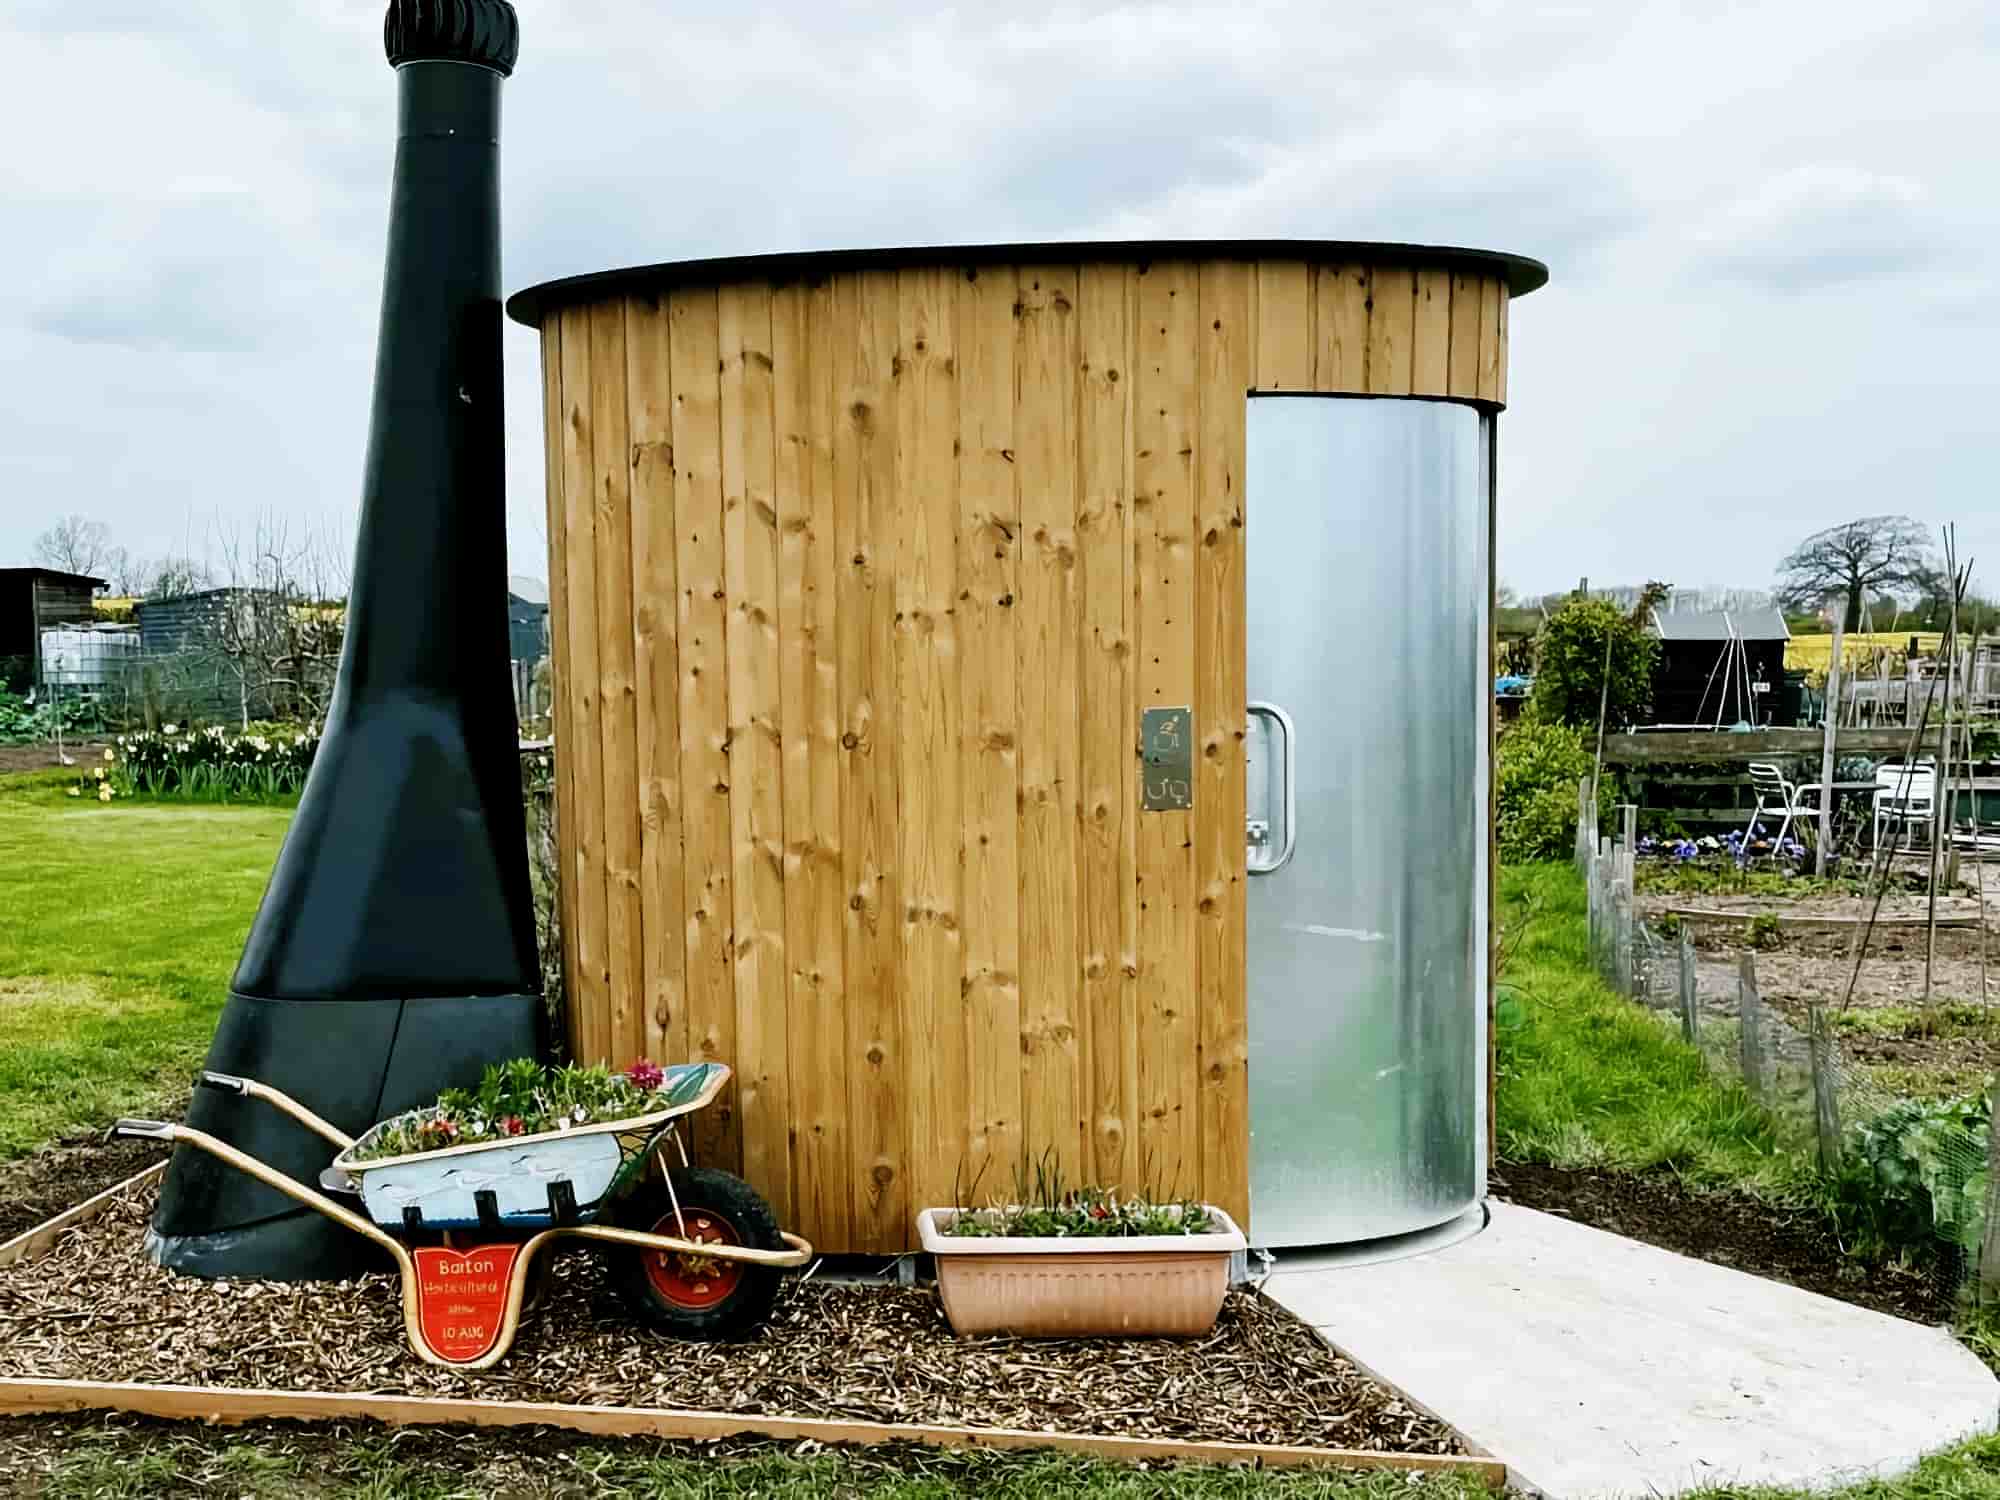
[1595, 1365]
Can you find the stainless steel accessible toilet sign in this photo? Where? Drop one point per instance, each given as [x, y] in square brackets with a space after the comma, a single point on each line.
[1166, 759]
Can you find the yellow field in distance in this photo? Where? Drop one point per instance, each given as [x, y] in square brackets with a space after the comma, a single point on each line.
[1811, 653]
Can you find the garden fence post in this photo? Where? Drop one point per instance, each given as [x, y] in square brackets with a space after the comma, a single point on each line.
[1589, 871]
[1621, 930]
[1609, 911]
[1825, 1083]
[1628, 944]
[1827, 736]
[1750, 1017]
[1989, 1239]
[1583, 825]
[1690, 1013]
[1586, 836]
[1599, 871]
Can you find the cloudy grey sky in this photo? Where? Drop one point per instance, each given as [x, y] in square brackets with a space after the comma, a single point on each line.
[1775, 300]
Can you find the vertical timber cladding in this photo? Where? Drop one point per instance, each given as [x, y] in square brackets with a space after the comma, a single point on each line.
[860, 588]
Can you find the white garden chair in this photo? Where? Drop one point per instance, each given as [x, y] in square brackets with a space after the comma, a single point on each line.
[1905, 796]
[1776, 796]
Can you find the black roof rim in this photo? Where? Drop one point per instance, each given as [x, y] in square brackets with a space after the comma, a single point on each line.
[527, 306]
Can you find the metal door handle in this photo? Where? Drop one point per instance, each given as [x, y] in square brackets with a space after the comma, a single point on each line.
[1274, 853]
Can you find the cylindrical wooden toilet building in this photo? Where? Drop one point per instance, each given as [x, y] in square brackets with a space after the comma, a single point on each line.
[995, 721]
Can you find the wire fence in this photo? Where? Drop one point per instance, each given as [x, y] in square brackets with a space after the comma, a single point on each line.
[1797, 1068]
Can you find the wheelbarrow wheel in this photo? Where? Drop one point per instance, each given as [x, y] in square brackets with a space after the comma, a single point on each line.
[696, 1296]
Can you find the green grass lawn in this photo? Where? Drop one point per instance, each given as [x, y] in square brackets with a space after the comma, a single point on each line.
[119, 928]
[114, 1461]
[1590, 1080]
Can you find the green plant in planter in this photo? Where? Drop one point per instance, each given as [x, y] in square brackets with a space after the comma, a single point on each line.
[1045, 1206]
[521, 1098]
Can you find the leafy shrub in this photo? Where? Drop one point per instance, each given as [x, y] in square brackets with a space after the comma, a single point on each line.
[1569, 663]
[1916, 1174]
[1534, 789]
[21, 723]
[214, 764]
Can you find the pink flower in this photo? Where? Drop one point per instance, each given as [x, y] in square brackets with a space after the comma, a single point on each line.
[513, 1125]
[646, 1075]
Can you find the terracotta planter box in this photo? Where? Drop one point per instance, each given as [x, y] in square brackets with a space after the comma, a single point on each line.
[1167, 1284]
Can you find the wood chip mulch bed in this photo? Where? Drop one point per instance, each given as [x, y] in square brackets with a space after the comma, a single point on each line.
[95, 1308]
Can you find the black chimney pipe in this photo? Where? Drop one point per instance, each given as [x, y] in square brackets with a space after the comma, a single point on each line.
[394, 952]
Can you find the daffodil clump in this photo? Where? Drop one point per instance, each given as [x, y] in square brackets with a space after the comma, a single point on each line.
[97, 782]
[519, 1098]
[211, 764]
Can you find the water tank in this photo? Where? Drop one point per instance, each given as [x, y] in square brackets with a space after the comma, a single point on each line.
[82, 659]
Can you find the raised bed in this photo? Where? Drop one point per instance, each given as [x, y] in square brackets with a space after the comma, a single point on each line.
[838, 1364]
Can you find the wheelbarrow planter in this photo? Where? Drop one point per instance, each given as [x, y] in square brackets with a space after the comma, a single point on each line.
[696, 1252]
[1118, 1286]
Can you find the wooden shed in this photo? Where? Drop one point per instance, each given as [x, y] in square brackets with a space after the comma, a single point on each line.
[863, 568]
[1720, 667]
[31, 601]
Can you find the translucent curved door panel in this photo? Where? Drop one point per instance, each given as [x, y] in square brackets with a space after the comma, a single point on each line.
[1367, 524]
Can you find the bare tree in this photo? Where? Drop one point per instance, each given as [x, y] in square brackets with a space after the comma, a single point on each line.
[275, 628]
[172, 577]
[125, 573]
[1882, 554]
[76, 545]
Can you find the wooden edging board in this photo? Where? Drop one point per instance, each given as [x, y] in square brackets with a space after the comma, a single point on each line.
[214, 1404]
[211, 1404]
[1789, 923]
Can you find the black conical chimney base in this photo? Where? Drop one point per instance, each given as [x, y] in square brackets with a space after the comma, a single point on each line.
[394, 954]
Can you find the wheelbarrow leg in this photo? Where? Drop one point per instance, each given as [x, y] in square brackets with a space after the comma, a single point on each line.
[439, 1334]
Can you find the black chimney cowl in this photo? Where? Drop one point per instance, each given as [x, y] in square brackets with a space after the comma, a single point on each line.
[484, 32]
[394, 953]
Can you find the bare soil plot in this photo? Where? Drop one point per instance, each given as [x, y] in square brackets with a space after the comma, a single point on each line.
[43, 756]
[1726, 1228]
[34, 1189]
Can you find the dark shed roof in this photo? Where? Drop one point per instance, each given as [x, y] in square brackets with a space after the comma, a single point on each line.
[1721, 625]
[53, 574]
[1521, 274]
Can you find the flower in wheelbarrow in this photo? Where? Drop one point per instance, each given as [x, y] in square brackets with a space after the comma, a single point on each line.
[646, 1075]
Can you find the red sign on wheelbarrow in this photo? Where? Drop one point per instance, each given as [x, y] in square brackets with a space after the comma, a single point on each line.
[462, 1298]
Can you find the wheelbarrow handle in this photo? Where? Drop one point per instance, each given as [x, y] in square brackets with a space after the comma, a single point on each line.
[271, 1177]
[250, 1088]
[142, 1130]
